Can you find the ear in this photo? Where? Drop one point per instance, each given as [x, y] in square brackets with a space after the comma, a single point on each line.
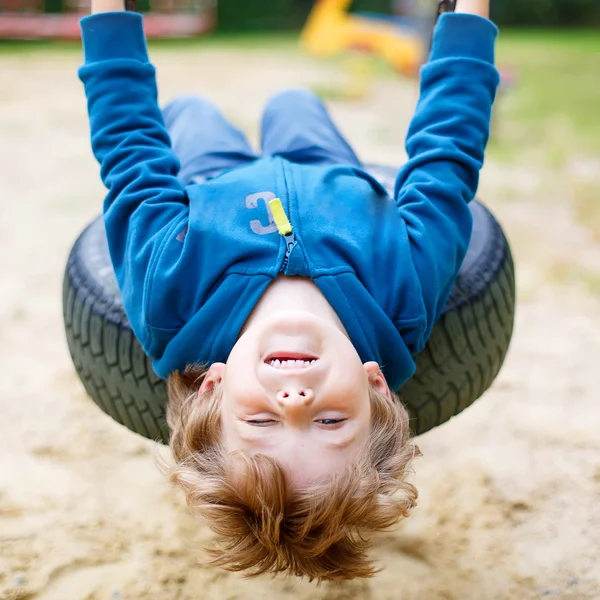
[377, 379]
[214, 376]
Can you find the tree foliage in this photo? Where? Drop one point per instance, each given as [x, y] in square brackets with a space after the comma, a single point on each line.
[245, 15]
[550, 13]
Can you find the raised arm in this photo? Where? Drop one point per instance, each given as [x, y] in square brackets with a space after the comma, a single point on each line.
[480, 8]
[145, 200]
[445, 144]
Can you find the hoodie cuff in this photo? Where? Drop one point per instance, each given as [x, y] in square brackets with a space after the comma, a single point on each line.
[113, 35]
[460, 35]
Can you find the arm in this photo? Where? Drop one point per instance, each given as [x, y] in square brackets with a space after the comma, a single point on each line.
[145, 200]
[445, 145]
[103, 6]
[480, 8]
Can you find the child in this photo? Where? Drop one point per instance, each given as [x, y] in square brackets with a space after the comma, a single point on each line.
[284, 295]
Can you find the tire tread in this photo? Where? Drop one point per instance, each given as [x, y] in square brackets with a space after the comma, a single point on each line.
[462, 358]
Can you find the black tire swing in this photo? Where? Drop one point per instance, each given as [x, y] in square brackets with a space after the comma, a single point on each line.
[459, 363]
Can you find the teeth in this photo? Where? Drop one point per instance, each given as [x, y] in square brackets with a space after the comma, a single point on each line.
[290, 364]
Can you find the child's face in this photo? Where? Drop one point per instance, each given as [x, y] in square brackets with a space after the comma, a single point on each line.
[313, 414]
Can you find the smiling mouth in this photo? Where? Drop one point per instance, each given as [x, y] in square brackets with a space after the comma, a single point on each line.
[290, 360]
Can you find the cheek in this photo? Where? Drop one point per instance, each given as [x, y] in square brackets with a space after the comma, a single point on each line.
[351, 380]
[242, 393]
[347, 359]
[239, 375]
[364, 421]
[229, 434]
[227, 427]
[241, 386]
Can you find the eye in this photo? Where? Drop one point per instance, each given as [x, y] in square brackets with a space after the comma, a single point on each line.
[330, 423]
[261, 422]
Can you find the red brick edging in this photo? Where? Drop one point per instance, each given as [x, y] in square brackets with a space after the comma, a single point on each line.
[66, 26]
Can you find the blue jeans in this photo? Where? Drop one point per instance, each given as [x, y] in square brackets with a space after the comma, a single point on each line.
[295, 125]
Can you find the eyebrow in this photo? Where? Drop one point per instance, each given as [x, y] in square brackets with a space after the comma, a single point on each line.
[337, 444]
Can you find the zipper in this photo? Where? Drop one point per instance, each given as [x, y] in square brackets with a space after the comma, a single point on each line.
[285, 229]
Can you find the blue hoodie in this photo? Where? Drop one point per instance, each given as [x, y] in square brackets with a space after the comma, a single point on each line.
[193, 261]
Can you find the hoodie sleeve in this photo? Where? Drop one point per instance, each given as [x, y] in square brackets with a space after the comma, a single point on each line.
[145, 200]
[445, 145]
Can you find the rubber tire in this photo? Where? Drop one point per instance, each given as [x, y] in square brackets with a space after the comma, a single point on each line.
[461, 360]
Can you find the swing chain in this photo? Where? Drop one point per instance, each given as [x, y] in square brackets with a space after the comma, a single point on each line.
[445, 6]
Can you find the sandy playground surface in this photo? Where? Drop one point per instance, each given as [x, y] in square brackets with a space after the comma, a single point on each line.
[510, 490]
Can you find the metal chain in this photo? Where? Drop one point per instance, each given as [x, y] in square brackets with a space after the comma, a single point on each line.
[446, 6]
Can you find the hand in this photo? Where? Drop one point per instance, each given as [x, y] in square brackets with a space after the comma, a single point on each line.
[100, 6]
[474, 7]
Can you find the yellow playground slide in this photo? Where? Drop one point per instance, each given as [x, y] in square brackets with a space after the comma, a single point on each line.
[330, 29]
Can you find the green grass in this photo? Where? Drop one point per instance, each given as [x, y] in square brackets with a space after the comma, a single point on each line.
[550, 113]
[554, 105]
[284, 42]
[277, 42]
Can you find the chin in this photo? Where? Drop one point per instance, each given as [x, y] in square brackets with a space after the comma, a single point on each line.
[294, 331]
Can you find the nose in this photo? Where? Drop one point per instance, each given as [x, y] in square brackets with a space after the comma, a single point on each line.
[290, 398]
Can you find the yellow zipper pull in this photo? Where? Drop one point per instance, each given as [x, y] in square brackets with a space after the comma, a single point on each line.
[283, 224]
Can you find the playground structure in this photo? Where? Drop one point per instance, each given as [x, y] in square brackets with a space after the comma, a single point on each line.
[331, 30]
[402, 41]
[59, 19]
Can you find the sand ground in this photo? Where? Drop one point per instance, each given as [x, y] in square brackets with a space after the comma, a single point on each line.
[510, 490]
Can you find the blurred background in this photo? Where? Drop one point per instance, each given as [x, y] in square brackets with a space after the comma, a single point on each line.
[269, 15]
[509, 489]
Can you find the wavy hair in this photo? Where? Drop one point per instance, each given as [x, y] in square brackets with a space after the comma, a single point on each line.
[319, 531]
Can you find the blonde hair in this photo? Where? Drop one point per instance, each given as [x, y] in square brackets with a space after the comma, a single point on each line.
[262, 527]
